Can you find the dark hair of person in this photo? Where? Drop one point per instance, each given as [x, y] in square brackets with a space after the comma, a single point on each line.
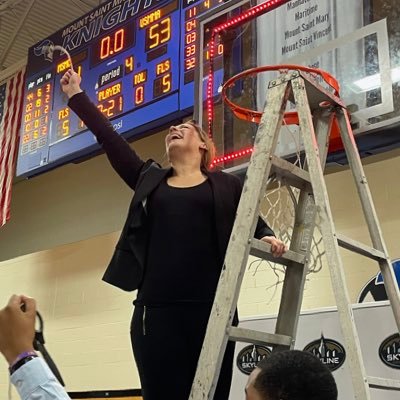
[295, 375]
[209, 154]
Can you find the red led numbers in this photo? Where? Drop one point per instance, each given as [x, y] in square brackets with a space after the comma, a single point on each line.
[112, 44]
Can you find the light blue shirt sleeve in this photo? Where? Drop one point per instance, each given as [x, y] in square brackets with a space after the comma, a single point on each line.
[35, 381]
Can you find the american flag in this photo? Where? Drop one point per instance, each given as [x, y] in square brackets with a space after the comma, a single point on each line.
[11, 100]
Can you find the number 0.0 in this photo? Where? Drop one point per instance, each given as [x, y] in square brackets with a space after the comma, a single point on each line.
[112, 44]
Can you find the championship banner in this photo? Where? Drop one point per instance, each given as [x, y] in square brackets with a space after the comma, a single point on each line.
[300, 26]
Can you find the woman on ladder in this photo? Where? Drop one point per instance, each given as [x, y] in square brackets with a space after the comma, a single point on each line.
[172, 248]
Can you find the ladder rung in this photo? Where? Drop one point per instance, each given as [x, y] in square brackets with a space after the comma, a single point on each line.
[293, 175]
[262, 250]
[257, 337]
[383, 383]
[360, 248]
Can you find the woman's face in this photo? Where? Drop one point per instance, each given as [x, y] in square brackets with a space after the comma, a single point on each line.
[183, 138]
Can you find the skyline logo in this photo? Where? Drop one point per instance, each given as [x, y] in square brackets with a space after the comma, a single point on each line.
[389, 351]
[250, 356]
[329, 351]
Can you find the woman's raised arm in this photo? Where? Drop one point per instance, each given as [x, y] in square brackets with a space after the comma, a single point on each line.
[122, 157]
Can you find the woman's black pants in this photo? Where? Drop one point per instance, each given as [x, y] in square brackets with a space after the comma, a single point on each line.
[166, 343]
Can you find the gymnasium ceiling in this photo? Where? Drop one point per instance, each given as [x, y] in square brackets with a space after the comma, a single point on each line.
[25, 22]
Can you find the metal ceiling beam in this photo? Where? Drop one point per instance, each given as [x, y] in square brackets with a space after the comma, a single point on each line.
[15, 33]
[8, 4]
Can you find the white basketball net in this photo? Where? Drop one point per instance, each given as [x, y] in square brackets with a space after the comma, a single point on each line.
[278, 210]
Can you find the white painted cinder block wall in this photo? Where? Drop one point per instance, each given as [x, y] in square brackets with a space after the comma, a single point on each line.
[87, 321]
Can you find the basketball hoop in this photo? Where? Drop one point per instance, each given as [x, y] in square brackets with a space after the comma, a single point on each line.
[290, 117]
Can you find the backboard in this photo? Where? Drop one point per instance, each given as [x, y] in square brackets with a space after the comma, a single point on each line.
[357, 41]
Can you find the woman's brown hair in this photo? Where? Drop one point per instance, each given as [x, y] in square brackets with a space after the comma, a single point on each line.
[209, 153]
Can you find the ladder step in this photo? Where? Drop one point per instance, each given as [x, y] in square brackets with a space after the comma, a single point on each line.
[360, 248]
[257, 337]
[317, 94]
[292, 174]
[383, 383]
[262, 250]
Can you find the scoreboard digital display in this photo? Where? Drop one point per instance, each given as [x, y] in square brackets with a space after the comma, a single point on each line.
[136, 59]
[189, 55]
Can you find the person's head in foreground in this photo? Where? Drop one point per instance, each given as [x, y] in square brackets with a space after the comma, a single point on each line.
[291, 375]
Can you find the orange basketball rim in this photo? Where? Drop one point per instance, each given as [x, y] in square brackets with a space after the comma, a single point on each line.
[290, 117]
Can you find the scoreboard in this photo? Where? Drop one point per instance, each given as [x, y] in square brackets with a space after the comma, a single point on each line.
[137, 60]
[191, 10]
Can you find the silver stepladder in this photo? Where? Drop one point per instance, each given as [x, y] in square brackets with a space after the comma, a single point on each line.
[316, 108]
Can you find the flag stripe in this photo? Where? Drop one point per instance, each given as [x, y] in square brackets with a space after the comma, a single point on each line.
[4, 140]
[14, 141]
[3, 127]
[4, 147]
[9, 129]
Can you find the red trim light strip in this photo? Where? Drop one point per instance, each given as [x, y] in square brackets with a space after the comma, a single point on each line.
[231, 156]
[249, 14]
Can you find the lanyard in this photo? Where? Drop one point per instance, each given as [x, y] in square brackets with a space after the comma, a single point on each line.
[38, 345]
